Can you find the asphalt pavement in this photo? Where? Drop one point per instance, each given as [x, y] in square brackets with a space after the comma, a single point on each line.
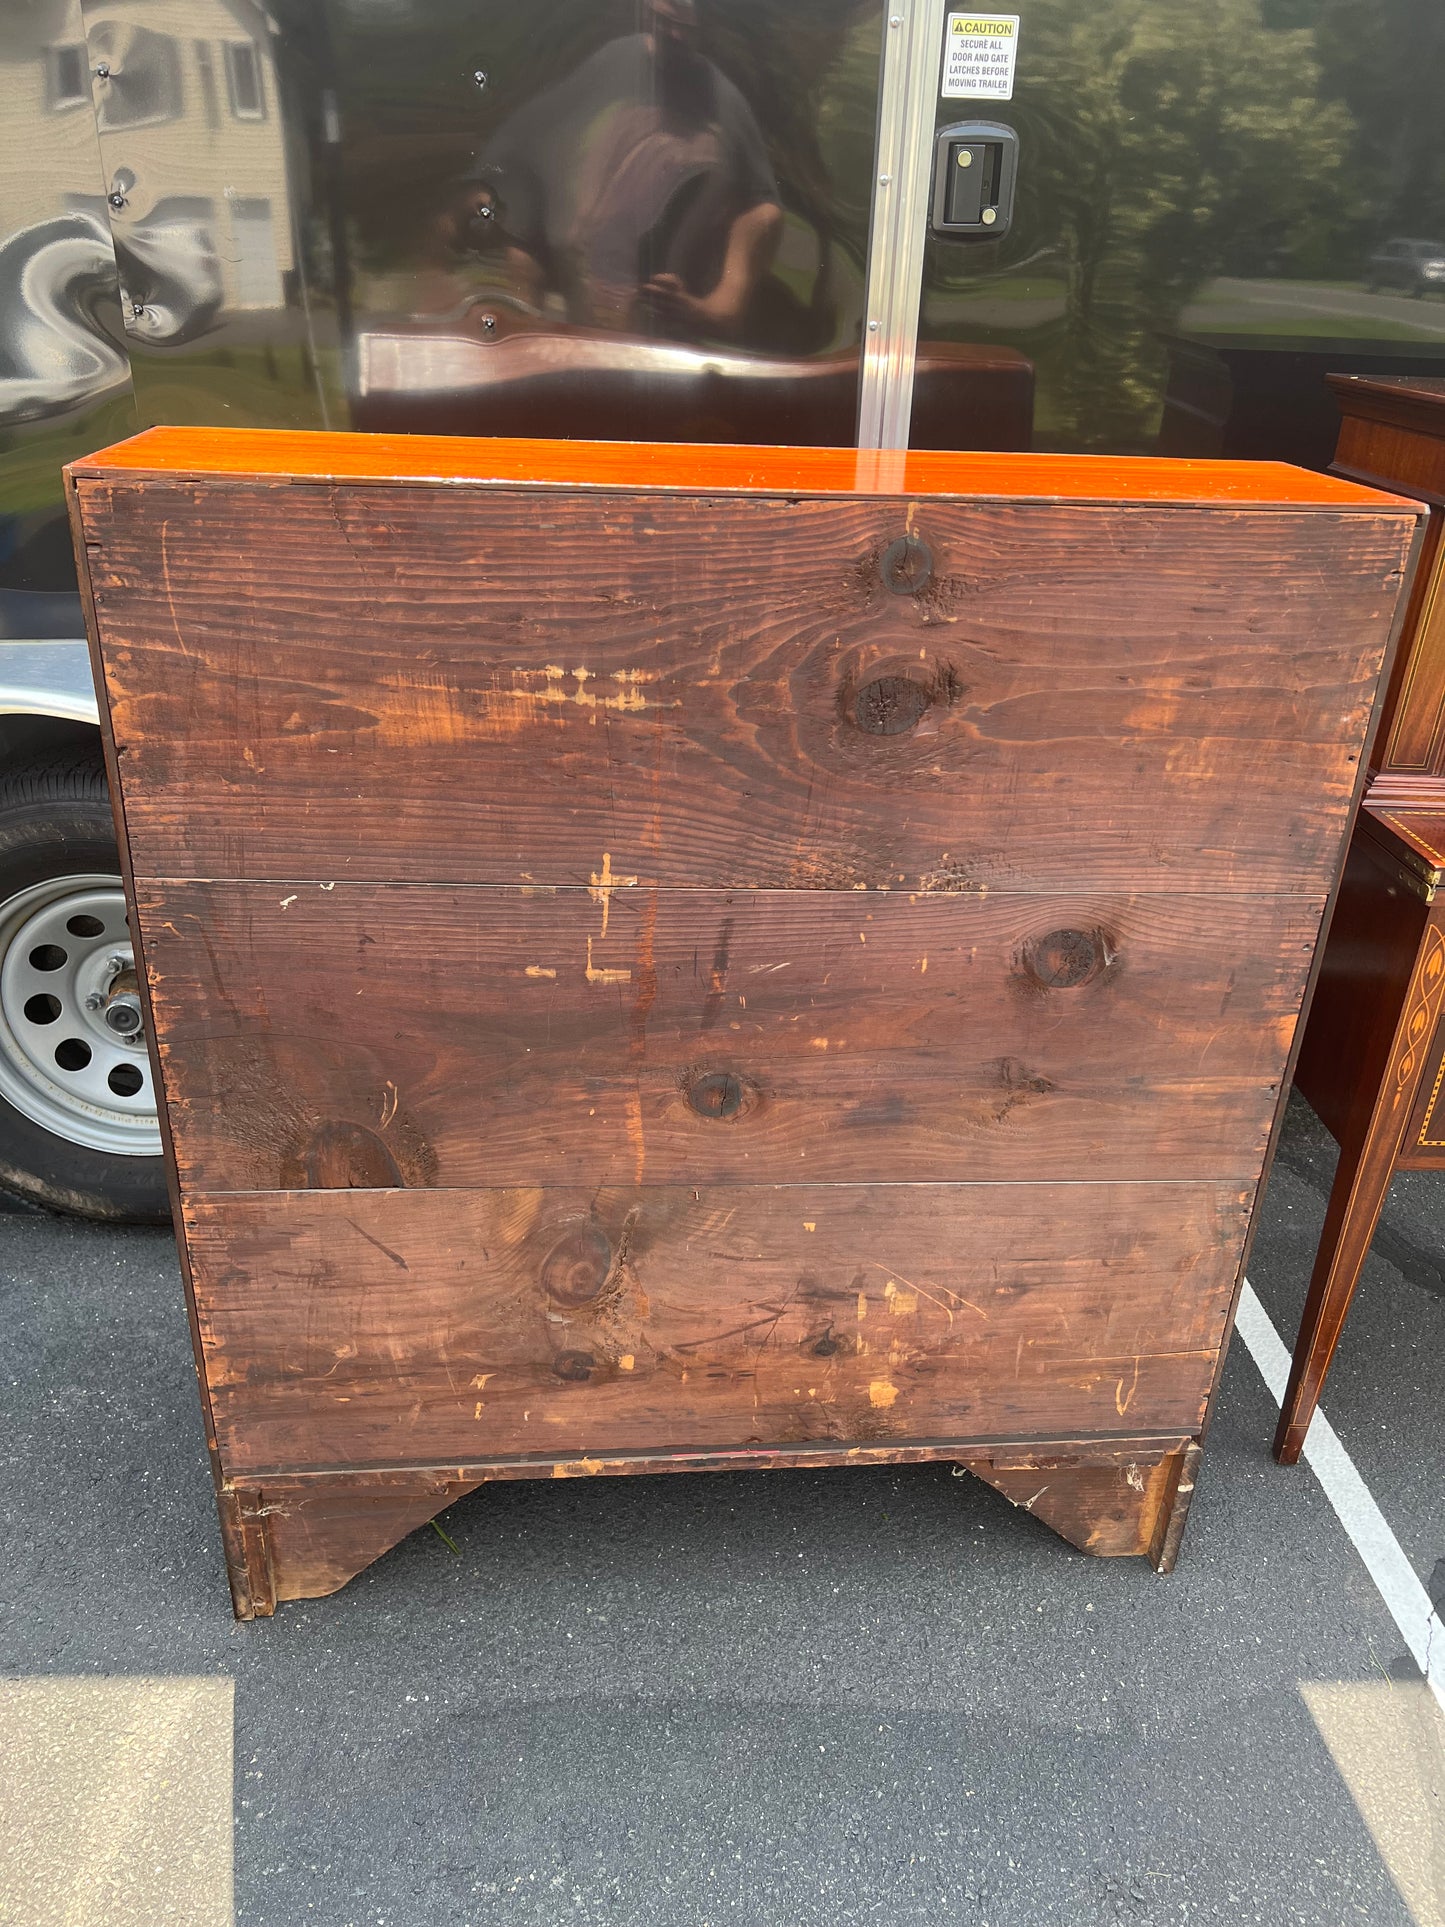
[802, 1699]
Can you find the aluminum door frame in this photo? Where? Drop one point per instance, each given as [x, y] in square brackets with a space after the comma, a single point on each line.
[903, 158]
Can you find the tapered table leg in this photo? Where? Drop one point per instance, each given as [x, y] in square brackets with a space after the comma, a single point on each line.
[1361, 1181]
[1368, 1159]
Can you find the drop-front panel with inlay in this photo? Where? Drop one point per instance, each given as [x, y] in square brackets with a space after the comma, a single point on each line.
[672, 957]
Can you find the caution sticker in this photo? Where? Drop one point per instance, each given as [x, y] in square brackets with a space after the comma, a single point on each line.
[979, 55]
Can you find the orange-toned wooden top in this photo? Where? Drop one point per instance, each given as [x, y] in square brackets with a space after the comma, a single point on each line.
[313, 456]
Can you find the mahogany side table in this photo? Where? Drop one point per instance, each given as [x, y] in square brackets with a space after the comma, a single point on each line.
[1372, 1066]
[1393, 437]
[1373, 1058]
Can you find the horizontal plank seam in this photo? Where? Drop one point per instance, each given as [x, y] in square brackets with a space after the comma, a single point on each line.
[451, 1473]
[645, 887]
[1238, 1181]
[1384, 507]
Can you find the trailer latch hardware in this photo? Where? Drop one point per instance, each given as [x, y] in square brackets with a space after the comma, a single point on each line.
[974, 165]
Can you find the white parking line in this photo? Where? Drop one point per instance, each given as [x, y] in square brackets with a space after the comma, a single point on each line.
[1395, 1578]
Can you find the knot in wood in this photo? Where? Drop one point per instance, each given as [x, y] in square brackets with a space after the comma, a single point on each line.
[577, 1266]
[575, 1366]
[906, 565]
[716, 1094]
[891, 705]
[1064, 959]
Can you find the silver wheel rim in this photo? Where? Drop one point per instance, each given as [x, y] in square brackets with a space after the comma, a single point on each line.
[64, 943]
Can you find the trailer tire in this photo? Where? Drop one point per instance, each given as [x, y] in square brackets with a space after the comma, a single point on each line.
[78, 1130]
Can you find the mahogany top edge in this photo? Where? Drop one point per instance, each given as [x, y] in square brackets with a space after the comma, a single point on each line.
[1414, 836]
[291, 455]
[1427, 390]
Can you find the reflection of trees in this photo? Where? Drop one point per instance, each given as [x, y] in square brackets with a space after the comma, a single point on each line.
[809, 71]
[1164, 144]
[1384, 59]
[847, 116]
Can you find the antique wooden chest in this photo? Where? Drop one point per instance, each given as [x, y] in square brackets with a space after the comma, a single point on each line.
[669, 957]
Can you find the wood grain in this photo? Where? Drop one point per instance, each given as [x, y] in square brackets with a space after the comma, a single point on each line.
[1144, 698]
[1392, 434]
[306, 1535]
[1373, 1054]
[373, 1035]
[1108, 1510]
[302, 1536]
[1374, 940]
[374, 1329]
[1371, 1046]
[683, 957]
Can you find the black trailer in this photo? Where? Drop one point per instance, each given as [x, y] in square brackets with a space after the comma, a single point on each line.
[1122, 226]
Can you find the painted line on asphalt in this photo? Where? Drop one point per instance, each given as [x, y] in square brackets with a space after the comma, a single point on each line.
[1395, 1578]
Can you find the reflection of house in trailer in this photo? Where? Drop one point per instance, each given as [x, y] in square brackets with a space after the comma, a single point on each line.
[55, 249]
[47, 138]
[193, 148]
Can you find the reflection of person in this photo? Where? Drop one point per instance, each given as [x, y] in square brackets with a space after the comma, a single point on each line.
[638, 188]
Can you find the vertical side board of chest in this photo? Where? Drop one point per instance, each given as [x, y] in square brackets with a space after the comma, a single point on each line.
[651, 969]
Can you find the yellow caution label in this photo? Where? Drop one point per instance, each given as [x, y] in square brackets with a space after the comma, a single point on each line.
[979, 56]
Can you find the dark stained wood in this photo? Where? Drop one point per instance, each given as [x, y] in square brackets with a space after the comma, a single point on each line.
[1424, 1145]
[1392, 435]
[248, 1580]
[1410, 763]
[305, 1539]
[1111, 1510]
[377, 1328]
[307, 1535]
[1173, 1512]
[1373, 1057]
[367, 1035]
[534, 853]
[249, 1568]
[1414, 838]
[1374, 940]
[1371, 1067]
[1150, 697]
